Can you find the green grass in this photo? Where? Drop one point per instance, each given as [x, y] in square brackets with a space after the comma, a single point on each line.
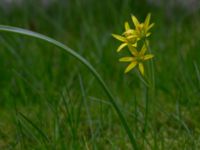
[49, 100]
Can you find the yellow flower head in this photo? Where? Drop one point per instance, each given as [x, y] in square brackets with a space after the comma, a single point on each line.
[137, 58]
[129, 37]
[142, 29]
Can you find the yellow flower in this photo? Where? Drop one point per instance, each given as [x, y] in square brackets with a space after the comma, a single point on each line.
[142, 29]
[129, 37]
[137, 58]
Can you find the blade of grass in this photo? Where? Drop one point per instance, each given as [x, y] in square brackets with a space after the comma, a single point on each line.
[66, 98]
[197, 72]
[35, 127]
[83, 94]
[83, 61]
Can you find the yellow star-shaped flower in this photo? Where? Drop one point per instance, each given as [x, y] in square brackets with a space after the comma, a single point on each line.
[129, 37]
[142, 29]
[137, 58]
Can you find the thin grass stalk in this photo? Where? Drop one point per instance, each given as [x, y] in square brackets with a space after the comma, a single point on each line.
[86, 106]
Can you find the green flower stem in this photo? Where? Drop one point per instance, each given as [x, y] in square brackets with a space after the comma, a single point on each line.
[148, 86]
[146, 112]
[86, 63]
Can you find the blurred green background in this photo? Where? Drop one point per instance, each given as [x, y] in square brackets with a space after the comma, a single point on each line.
[48, 100]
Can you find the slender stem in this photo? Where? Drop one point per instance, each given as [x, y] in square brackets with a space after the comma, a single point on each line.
[86, 106]
[146, 111]
[147, 99]
[87, 64]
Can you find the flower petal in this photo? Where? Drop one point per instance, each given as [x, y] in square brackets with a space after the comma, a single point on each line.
[130, 32]
[119, 37]
[148, 34]
[130, 66]
[141, 68]
[147, 20]
[133, 36]
[121, 47]
[126, 25]
[143, 50]
[149, 56]
[134, 45]
[133, 50]
[126, 59]
[135, 20]
[150, 26]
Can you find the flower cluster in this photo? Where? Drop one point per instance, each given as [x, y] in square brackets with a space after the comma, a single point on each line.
[137, 42]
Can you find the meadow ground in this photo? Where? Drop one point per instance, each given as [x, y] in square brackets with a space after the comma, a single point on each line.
[49, 100]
